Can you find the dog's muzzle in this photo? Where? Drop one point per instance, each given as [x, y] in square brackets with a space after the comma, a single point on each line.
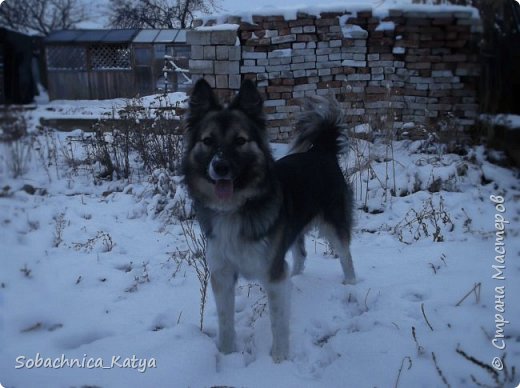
[220, 171]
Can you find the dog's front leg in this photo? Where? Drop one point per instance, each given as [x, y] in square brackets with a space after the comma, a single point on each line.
[223, 285]
[278, 294]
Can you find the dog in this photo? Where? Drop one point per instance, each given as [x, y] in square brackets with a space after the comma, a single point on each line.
[253, 209]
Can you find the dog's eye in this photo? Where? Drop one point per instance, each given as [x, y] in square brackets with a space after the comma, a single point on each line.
[208, 141]
[240, 141]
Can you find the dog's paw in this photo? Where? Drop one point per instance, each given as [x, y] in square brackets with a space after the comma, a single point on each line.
[296, 271]
[277, 359]
[226, 346]
[349, 281]
[226, 349]
[279, 353]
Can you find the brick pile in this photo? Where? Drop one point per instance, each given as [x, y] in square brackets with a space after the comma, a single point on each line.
[408, 67]
[216, 56]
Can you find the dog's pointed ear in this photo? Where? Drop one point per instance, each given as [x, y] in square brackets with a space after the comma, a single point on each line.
[248, 100]
[202, 100]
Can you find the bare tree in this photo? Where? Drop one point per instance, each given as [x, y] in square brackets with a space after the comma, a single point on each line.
[157, 13]
[42, 16]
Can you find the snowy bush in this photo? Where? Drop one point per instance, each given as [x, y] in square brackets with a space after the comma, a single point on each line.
[195, 256]
[166, 197]
[18, 157]
[14, 125]
[431, 221]
[142, 140]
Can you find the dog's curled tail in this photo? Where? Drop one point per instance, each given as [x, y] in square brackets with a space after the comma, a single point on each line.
[321, 127]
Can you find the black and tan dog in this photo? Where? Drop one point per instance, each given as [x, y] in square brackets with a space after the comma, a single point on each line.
[253, 209]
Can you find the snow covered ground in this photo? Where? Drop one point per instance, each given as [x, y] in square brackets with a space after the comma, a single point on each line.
[90, 276]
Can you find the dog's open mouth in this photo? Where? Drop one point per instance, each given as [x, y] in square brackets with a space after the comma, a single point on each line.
[224, 189]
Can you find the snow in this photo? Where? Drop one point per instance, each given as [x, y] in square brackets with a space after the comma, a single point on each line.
[362, 128]
[290, 11]
[88, 273]
[352, 31]
[219, 27]
[386, 26]
[508, 120]
[290, 8]
[96, 109]
[280, 53]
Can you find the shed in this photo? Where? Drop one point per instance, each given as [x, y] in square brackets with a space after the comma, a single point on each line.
[17, 83]
[101, 64]
[158, 53]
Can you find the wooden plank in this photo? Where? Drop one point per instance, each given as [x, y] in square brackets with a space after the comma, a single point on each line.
[68, 85]
[112, 84]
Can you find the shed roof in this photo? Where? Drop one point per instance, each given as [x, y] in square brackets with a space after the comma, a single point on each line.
[118, 36]
[92, 36]
[161, 36]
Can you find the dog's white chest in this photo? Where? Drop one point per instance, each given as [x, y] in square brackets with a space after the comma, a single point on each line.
[227, 246]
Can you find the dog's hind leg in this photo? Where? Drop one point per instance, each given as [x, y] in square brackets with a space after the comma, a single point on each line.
[278, 294]
[345, 258]
[299, 254]
[340, 241]
[223, 285]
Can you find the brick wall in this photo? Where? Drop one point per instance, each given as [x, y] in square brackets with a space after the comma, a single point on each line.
[411, 69]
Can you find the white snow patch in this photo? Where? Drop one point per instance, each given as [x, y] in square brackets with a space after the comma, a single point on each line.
[290, 8]
[219, 27]
[507, 120]
[386, 26]
[289, 11]
[280, 53]
[104, 108]
[352, 31]
[362, 128]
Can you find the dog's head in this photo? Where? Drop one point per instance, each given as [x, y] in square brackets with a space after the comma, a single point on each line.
[227, 154]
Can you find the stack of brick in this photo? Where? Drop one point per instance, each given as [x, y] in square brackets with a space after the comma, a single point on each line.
[408, 67]
[216, 57]
[441, 67]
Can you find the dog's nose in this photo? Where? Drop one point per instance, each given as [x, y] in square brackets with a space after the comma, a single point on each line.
[221, 168]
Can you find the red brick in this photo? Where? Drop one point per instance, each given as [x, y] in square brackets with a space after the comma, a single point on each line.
[330, 84]
[442, 22]
[278, 89]
[301, 22]
[456, 43]
[433, 44]
[364, 14]
[306, 38]
[455, 58]
[376, 90]
[421, 22]
[420, 65]
[326, 22]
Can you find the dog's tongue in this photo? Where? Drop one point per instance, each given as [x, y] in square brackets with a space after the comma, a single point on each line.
[224, 188]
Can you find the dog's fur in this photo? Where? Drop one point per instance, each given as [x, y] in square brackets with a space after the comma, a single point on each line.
[253, 209]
